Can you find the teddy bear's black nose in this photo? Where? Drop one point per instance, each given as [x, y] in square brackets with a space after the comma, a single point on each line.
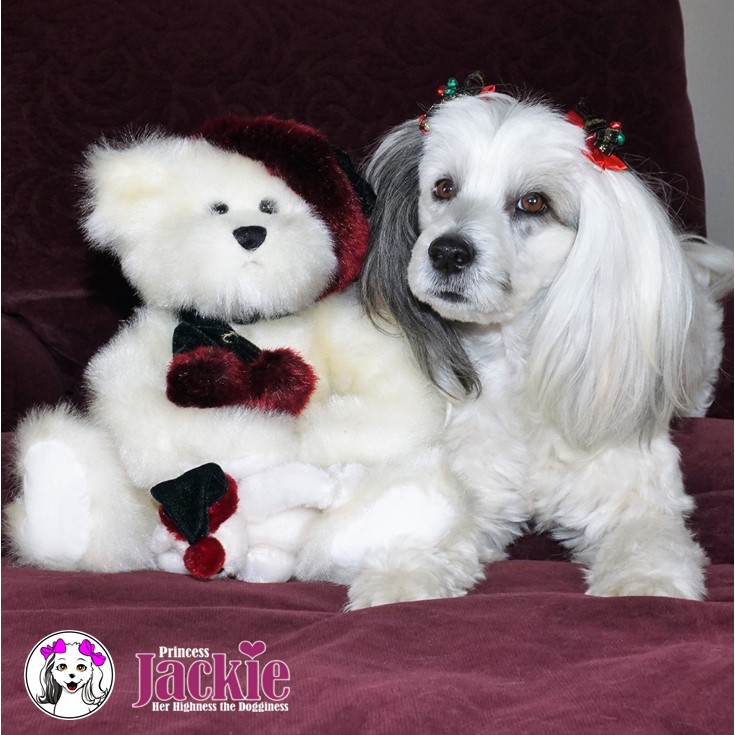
[251, 237]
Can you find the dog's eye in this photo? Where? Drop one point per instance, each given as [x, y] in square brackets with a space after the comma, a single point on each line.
[444, 189]
[61, 667]
[81, 667]
[268, 206]
[220, 208]
[532, 203]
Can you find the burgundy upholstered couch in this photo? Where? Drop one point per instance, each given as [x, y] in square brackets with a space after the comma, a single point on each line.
[526, 651]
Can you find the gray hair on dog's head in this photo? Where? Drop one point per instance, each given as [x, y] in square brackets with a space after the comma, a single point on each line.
[393, 174]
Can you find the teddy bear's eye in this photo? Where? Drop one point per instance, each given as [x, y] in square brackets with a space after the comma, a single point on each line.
[220, 208]
[268, 206]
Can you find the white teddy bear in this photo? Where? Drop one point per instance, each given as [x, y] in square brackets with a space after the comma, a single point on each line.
[282, 432]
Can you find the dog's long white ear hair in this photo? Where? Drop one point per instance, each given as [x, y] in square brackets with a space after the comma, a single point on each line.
[393, 173]
[620, 343]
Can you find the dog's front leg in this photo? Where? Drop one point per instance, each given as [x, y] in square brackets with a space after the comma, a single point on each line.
[629, 508]
[653, 555]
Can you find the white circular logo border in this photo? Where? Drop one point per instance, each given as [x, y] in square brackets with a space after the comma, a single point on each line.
[36, 669]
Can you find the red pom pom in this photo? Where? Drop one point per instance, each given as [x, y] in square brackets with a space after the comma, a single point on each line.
[280, 380]
[205, 558]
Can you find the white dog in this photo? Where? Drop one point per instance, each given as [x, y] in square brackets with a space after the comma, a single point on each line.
[570, 314]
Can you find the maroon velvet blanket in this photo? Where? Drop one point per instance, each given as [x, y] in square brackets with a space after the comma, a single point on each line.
[525, 652]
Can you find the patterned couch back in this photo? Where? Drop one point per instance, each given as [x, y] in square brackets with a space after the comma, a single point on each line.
[77, 70]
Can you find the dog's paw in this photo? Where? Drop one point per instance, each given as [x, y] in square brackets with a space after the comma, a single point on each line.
[652, 585]
[369, 591]
[409, 573]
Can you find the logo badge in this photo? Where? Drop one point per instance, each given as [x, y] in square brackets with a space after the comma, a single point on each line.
[69, 675]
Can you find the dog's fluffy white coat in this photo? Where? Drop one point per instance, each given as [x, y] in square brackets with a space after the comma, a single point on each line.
[589, 325]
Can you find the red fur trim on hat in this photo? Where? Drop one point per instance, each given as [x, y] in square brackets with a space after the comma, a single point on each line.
[205, 558]
[303, 158]
[169, 524]
[224, 507]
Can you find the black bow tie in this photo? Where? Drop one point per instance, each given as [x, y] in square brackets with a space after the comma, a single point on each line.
[194, 331]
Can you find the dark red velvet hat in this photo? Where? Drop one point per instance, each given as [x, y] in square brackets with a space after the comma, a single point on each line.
[303, 158]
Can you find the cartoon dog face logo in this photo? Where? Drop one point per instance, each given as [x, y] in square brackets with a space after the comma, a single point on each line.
[69, 675]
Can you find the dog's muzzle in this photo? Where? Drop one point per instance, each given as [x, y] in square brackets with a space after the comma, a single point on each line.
[450, 255]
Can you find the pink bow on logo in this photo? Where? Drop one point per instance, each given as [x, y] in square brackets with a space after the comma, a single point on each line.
[58, 647]
[87, 649]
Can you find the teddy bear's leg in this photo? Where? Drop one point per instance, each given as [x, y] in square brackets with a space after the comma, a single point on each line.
[76, 508]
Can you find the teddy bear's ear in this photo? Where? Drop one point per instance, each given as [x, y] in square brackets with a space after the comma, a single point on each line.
[123, 181]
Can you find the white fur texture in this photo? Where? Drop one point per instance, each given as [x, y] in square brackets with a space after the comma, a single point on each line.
[355, 490]
[154, 205]
[590, 324]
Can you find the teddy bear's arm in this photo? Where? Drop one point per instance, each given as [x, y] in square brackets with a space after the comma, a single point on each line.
[156, 439]
[213, 366]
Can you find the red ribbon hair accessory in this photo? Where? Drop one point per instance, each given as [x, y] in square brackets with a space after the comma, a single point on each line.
[602, 138]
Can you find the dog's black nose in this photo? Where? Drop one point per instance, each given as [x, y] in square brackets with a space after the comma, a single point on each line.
[451, 254]
[71, 676]
[251, 237]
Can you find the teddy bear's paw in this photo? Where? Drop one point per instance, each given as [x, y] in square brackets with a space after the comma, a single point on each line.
[286, 486]
[207, 377]
[280, 380]
[268, 564]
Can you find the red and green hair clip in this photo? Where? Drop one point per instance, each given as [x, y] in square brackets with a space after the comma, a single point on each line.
[473, 86]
